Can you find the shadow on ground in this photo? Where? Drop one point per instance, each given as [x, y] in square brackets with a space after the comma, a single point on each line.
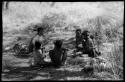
[22, 56]
[48, 73]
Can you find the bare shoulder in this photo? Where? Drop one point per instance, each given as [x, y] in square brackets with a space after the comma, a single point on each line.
[51, 51]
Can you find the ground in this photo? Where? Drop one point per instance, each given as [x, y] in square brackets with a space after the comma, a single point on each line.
[18, 19]
[20, 69]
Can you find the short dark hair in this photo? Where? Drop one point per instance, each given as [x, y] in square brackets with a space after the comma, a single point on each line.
[37, 45]
[58, 43]
[85, 32]
[78, 30]
[39, 29]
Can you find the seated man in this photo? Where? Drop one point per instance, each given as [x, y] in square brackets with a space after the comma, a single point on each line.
[35, 46]
[58, 55]
[39, 37]
[88, 45]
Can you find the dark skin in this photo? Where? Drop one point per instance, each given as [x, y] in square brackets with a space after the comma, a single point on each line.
[58, 54]
[91, 45]
[39, 33]
[88, 46]
[78, 38]
[39, 41]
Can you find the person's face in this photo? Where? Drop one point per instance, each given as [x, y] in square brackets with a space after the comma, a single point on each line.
[87, 36]
[78, 32]
[40, 33]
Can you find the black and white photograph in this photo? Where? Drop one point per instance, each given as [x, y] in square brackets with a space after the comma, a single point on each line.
[62, 41]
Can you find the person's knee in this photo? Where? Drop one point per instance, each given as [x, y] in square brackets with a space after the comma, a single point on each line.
[91, 53]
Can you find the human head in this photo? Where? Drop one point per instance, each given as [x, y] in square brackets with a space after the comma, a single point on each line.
[85, 34]
[40, 31]
[58, 43]
[78, 31]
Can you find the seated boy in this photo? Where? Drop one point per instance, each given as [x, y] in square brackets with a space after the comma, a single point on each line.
[38, 56]
[58, 55]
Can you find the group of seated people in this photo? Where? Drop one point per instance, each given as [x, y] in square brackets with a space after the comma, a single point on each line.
[87, 41]
[58, 55]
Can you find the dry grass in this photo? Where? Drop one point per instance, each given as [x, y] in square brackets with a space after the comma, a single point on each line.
[116, 59]
[113, 63]
[105, 23]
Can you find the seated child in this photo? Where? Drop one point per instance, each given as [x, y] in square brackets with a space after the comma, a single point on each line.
[58, 55]
[38, 56]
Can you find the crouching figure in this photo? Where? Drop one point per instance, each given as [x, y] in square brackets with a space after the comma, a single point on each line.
[58, 55]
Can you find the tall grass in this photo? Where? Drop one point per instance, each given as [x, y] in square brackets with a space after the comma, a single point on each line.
[114, 62]
[103, 23]
[116, 59]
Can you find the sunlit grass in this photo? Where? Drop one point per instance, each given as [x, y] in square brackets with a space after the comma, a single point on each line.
[103, 23]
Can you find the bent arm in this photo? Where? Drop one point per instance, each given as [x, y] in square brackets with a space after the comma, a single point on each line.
[30, 47]
[50, 55]
[64, 57]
